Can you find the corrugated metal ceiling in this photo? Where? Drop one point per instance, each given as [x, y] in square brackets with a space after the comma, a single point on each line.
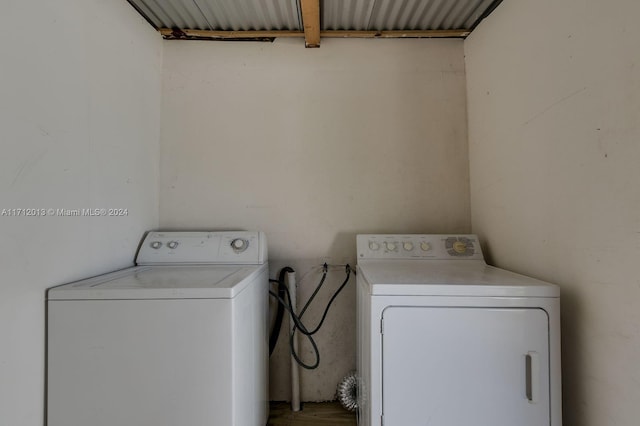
[285, 15]
[389, 15]
[221, 15]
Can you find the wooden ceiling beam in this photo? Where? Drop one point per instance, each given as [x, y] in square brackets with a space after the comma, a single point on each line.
[178, 34]
[257, 35]
[396, 34]
[311, 22]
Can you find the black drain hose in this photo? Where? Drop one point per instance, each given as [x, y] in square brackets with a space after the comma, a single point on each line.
[284, 303]
[273, 338]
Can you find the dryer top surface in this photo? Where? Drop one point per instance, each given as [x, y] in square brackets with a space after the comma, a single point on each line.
[449, 278]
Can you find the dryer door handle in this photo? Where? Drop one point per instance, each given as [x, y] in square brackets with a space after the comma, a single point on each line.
[532, 376]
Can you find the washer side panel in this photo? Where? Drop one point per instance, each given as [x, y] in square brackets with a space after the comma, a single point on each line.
[250, 356]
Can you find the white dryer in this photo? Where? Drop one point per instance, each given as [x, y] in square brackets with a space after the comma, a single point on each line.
[445, 339]
[180, 339]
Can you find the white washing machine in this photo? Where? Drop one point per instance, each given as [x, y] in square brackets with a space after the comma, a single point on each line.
[180, 339]
[444, 339]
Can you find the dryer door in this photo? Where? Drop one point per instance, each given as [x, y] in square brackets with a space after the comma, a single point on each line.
[465, 366]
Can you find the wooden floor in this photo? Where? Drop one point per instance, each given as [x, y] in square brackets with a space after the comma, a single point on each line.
[312, 414]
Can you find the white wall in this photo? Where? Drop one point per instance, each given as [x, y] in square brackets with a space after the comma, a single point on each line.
[554, 140]
[314, 146]
[79, 128]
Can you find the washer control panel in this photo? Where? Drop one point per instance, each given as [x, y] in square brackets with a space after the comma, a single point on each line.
[418, 246]
[232, 247]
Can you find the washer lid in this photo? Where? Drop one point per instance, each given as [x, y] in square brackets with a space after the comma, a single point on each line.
[162, 282]
[449, 278]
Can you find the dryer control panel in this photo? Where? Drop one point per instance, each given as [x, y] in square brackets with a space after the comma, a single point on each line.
[229, 247]
[418, 246]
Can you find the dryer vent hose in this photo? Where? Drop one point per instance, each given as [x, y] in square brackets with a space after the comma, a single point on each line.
[348, 391]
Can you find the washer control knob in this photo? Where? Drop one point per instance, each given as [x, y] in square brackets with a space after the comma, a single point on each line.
[391, 246]
[239, 245]
[155, 244]
[408, 246]
[374, 246]
[172, 244]
[425, 246]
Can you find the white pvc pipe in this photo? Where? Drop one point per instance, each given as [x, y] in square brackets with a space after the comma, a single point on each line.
[295, 369]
